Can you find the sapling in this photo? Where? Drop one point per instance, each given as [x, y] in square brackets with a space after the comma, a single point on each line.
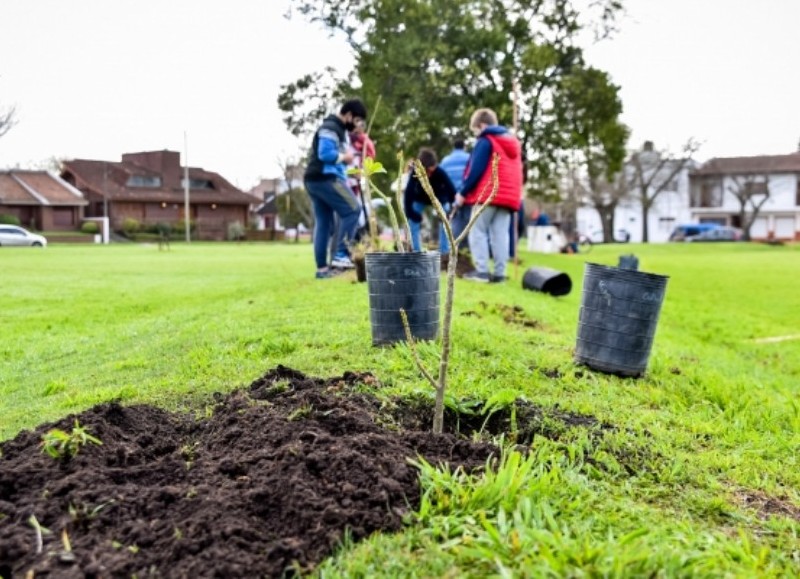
[372, 167]
[440, 384]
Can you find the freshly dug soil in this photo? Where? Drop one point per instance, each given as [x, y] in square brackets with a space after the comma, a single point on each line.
[265, 484]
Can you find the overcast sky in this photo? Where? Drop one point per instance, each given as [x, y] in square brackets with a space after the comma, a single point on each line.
[96, 78]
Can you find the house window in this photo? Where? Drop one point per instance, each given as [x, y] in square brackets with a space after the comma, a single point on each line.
[198, 184]
[797, 194]
[706, 194]
[755, 188]
[144, 181]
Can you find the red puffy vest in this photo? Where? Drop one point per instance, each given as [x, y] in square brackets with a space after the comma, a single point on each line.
[509, 174]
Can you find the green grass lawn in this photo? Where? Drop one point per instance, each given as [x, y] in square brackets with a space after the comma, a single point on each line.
[699, 477]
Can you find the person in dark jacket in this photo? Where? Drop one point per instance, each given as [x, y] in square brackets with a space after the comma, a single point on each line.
[325, 181]
[415, 199]
[490, 230]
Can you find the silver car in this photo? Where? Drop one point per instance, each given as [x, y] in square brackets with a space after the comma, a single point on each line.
[12, 235]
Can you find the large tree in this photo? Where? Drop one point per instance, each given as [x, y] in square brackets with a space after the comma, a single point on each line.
[590, 110]
[430, 63]
[653, 172]
[751, 191]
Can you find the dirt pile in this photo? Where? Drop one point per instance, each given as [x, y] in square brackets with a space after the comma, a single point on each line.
[269, 481]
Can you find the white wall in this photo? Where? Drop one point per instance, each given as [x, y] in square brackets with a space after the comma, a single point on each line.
[671, 208]
[778, 218]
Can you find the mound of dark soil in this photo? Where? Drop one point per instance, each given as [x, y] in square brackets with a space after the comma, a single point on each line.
[268, 483]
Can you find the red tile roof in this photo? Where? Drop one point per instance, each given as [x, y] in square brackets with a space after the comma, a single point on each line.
[764, 164]
[94, 177]
[19, 187]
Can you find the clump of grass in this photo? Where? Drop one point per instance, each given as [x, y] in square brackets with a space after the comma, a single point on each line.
[66, 445]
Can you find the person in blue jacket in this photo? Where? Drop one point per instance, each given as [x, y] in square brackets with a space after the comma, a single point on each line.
[415, 199]
[325, 181]
[455, 165]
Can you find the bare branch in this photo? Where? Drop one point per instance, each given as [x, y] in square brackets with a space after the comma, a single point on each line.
[7, 120]
[413, 347]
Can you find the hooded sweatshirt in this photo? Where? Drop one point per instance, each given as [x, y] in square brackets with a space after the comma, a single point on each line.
[329, 140]
[478, 176]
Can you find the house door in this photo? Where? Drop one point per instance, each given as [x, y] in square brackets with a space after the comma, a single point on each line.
[27, 217]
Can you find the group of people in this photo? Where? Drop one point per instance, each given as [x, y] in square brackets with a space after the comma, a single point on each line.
[460, 181]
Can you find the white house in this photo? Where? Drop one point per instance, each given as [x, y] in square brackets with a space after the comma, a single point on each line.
[668, 180]
[777, 177]
[705, 194]
[265, 208]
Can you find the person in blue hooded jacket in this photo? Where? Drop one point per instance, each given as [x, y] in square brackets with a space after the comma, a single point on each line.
[488, 238]
[325, 181]
[455, 164]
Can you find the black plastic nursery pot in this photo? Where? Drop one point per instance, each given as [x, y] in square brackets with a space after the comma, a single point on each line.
[618, 318]
[407, 281]
[547, 280]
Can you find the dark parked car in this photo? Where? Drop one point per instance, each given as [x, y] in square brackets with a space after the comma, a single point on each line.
[19, 236]
[722, 233]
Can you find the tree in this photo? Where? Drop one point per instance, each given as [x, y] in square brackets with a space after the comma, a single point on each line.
[654, 171]
[751, 191]
[590, 110]
[434, 61]
[305, 102]
[604, 195]
[294, 205]
[7, 120]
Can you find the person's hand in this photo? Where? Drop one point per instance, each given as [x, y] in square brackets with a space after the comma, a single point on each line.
[346, 157]
[459, 200]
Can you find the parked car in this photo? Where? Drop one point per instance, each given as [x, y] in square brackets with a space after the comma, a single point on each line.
[620, 236]
[722, 233]
[681, 232]
[13, 235]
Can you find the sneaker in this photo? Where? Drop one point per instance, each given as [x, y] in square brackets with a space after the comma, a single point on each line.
[324, 274]
[497, 278]
[477, 276]
[342, 262]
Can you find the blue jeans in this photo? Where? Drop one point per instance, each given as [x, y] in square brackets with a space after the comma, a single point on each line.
[331, 197]
[520, 232]
[490, 231]
[459, 223]
[415, 226]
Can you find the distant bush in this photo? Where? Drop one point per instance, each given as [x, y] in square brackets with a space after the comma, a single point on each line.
[90, 227]
[163, 229]
[180, 226]
[235, 231]
[9, 220]
[130, 227]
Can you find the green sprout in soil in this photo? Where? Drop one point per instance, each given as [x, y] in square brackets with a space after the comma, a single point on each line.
[63, 445]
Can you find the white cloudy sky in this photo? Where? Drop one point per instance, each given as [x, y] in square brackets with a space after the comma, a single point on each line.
[95, 79]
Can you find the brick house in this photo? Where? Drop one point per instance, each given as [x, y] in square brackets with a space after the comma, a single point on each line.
[149, 187]
[41, 200]
[269, 190]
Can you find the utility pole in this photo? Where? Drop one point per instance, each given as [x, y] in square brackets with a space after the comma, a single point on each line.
[105, 189]
[186, 187]
[515, 106]
[515, 128]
